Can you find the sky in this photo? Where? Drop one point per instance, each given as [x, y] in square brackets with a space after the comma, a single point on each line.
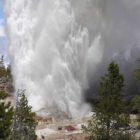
[3, 38]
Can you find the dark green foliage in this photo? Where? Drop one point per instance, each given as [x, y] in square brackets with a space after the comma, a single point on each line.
[137, 73]
[135, 109]
[6, 115]
[110, 93]
[8, 72]
[110, 115]
[24, 123]
[3, 72]
[135, 104]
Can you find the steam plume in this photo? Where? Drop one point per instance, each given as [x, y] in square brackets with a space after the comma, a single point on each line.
[60, 48]
[50, 54]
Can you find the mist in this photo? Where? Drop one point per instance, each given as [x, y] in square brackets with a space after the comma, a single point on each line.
[118, 24]
[59, 49]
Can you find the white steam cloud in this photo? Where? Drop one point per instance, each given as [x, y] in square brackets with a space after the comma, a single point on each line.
[50, 54]
[2, 32]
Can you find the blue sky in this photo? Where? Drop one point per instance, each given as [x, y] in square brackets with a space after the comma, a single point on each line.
[1, 9]
[3, 38]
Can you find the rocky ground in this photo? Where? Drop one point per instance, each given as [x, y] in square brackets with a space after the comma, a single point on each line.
[49, 129]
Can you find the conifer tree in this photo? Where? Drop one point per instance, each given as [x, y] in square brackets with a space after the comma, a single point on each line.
[8, 72]
[137, 72]
[3, 72]
[6, 115]
[109, 111]
[24, 120]
[135, 102]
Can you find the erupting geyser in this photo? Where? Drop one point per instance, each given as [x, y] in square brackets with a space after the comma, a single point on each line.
[50, 54]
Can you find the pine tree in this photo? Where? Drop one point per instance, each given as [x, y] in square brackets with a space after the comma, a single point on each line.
[109, 111]
[135, 102]
[3, 72]
[24, 120]
[137, 72]
[135, 105]
[6, 115]
[8, 72]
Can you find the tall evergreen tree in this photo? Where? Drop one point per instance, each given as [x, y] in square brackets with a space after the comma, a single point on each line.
[3, 72]
[6, 115]
[135, 102]
[8, 72]
[109, 111]
[24, 120]
[137, 72]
